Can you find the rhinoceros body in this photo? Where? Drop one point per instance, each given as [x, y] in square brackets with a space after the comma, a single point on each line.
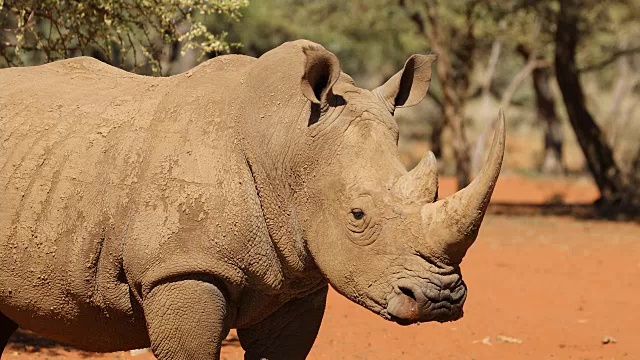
[139, 211]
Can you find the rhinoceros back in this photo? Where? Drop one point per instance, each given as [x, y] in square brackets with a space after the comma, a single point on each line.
[71, 140]
[78, 142]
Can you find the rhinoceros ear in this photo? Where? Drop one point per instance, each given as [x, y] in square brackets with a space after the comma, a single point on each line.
[321, 71]
[409, 86]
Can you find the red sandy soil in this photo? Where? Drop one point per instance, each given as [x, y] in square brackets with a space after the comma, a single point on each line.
[540, 287]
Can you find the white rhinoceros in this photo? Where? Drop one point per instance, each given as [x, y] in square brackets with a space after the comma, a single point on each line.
[139, 211]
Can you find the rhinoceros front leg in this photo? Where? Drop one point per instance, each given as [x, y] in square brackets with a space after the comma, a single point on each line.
[186, 320]
[289, 332]
[7, 328]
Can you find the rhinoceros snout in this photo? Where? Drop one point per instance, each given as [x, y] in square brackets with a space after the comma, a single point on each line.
[412, 302]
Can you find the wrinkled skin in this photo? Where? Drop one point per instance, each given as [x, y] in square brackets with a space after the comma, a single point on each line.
[163, 212]
[389, 235]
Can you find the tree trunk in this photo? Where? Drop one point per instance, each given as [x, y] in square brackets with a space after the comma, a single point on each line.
[453, 112]
[437, 129]
[454, 81]
[455, 48]
[437, 126]
[478, 150]
[547, 116]
[597, 152]
[489, 73]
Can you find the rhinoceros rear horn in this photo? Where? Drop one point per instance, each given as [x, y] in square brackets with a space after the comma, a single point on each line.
[452, 224]
[321, 71]
[409, 86]
[420, 185]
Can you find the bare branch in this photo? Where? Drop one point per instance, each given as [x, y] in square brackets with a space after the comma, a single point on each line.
[59, 29]
[490, 71]
[532, 64]
[61, 36]
[478, 150]
[612, 58]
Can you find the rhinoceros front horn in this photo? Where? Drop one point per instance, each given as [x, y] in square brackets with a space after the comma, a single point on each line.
[451, 225]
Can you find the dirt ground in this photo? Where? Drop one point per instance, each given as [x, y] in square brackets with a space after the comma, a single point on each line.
[541, 286]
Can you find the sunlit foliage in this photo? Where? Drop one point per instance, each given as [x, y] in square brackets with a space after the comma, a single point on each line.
[132, 34]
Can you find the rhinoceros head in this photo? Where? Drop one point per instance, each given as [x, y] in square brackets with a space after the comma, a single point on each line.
[376, 231]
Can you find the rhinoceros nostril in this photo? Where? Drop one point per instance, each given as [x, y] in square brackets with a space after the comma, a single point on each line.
[408, 292]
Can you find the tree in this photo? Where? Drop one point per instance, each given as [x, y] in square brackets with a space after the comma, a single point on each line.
[615, 186]
[546, 113]
[131, 34]
[458, 31]
[378, 43]
[454, 41]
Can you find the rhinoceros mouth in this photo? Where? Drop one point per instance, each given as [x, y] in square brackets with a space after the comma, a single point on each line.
[410, 304]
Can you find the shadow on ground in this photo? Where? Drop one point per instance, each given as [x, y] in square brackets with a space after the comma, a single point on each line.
[578, 211]
[26, 341]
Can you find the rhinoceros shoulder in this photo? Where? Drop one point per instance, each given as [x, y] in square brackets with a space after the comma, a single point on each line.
[87, 64]
[83, 65]
[226, 63]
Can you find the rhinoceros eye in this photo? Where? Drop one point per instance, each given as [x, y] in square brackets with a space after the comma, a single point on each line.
[357, 214]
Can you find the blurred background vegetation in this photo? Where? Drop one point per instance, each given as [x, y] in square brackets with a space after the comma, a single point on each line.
[567, 72]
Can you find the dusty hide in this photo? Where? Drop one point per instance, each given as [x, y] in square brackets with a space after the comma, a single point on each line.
[104, 173]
